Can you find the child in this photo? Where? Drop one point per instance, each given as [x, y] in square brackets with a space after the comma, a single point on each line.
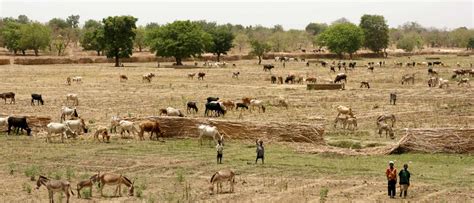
[260, 151]
[404, 180]
[220, 150]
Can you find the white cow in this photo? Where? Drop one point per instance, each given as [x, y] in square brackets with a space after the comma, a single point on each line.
[127, 126]
[77, 126]
[66, 111]
[59, 128]
[77, 79]
[72, 97]
[257, 103]
[209, 131]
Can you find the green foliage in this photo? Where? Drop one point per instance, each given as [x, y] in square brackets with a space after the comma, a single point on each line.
[410, 41]
[316, 28]
[375, 32]
[180, 176]
[11, 35]
[179, 39]
[70, 173]
[35, 36]
[73, 21]
[86, 193]
[221, 41]
[259, 48]
[470, 44]
[241, 41]
[323, 194]
[32, 171]
[118, 36]
[460, 37]
[12, 168]
[93, 36]
[139, 38]
[27, 188]
[342, 38]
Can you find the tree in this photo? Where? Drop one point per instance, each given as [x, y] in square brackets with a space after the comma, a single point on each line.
[316, 28]
[278, 41]
[340, 20]
[23, 19]
[139, 38]
[375, 32]
[241, 40]
[35, 36]
[470, 44]
[11, 35]
[410, 41]
[221, 41]
[259, 48]
[93, 36]
[118, 36]
[179, 39]
[460, 37]
[73, 21]
[342, 38]
[62, 34]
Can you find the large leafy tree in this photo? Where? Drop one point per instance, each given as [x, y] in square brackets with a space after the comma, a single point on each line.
[375, 31]
[342, 38]
[35, 36]
[73, 21]
[470, 43]
[221, 41]
[139, 38]
[241, 41]
[179, 39]
[118, 36]
[316, 28]
[11, 35]
[93, 36]
[410, 41]
[259, 48]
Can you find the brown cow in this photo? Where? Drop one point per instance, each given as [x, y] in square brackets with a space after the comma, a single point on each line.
[246, 100]
[201, 75]
[151, 127]
[123, 78]
[8, 95]
[229, 104]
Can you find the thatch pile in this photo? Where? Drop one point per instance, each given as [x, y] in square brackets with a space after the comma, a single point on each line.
[445, 140]
[42, 61]
[4, 61]
[280, 132]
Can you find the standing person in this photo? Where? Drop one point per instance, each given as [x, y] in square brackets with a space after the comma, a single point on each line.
[220, 151]
[391, 173]
[260, 151]
[404, 180]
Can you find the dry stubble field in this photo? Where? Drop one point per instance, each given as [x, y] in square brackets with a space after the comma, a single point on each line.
[163, 170]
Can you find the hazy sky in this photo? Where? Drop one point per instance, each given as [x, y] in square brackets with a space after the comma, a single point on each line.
[290, 14]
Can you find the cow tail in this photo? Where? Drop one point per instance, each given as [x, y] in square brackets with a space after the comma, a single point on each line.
[213, 176]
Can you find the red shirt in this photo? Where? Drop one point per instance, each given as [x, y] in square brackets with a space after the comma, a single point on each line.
[391, 173]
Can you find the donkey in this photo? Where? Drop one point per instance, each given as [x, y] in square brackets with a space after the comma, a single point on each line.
[385, 117]
[87, 183]
[115, 179]
[385, 127]
[222, 176]
[54, 186]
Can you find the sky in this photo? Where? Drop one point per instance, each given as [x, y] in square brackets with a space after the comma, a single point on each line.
[290, 14]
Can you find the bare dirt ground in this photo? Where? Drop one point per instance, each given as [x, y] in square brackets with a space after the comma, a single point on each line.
[162, 170]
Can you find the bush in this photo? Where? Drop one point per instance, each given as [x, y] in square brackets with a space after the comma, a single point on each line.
[86, 193]
[70, 173]
[27, 188]
[346, 144]
[32, 171]
[323, 194]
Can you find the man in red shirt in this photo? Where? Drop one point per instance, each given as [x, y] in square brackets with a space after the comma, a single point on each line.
[391, 173]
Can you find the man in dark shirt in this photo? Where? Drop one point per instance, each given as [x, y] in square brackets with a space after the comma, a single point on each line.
[404, 180]
[260, 151]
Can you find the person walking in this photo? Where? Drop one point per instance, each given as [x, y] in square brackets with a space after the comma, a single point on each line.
[404, 180]
[260, 151]
[220, 151]
[391, 173]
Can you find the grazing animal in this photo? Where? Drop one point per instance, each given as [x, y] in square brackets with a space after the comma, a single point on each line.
[387, 117]
[332, 68]
[443, 83]
[59, 128]
[341, 120]
[290, 79]
[365, 84]
[191, 75]
[340, 77]
[127, 126]
[77, 125]
[235, 75]
[8, 95]
[102, 130]
[74, 98]
[151, 127]
[77, 79]
[311, 80]
[68, 80]
[344, 110]
[55, 186]
[115, 179]
[68, 112]
[371, 68]
[282, 102]
[229, 104]
[242, 106]
[3, 121]
[385, 127]
[38, 98]
[191, 106]
[209, 131]
[351, 123]
[432, 82]
[268, 67]
[201, 75]
[257, 103]
[408, 78]
[432, 72]
[211, 99]
[221, 177]
[273, 79]
[147, 77]
[300, 80]
[123, 78]
[114, 123]
[280, 79]
[216, 107]
[246, 100]
[87, 183]
[19, 123]
[464, 81]
[393, 98]
[170, 111]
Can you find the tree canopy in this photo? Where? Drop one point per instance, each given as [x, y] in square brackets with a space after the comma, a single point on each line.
[221, 41]
[375, 32]
[35, 36]
[179, 39]
[93, 36]
[342, 38]
[259, 48]
[118, 36]
[410, 41]
[316, 28]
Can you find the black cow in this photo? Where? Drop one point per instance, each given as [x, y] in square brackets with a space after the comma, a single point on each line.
[273, 79]
[268, 67]
[191, 106]
[215, 107]
[241, 106]
[18, 123]
[210, 99]
[38, 98]
[290, 79]
[340, 77]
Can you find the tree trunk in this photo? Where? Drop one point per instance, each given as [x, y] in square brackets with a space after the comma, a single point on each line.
[23, 52]
[117, 60]
[259, 60]
[240, 49]
[14, 52]
[179, 61]
[98, 52]
[139, 48]
[36, 52]
[218, 57]
[350, 56]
